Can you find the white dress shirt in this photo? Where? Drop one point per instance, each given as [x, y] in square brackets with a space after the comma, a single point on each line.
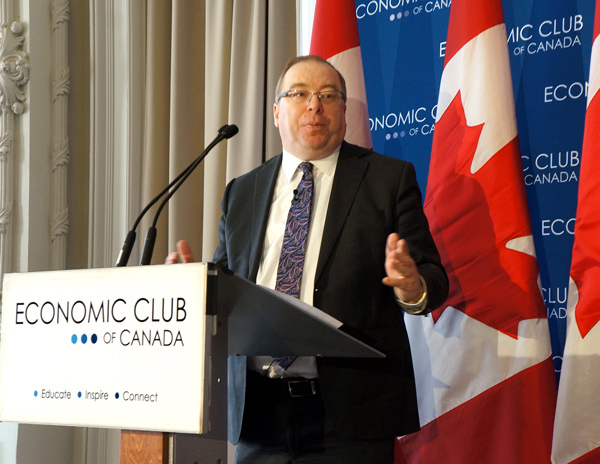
[287, 181]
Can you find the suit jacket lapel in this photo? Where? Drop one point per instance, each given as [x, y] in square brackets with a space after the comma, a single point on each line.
[263, 193]
[349, 173]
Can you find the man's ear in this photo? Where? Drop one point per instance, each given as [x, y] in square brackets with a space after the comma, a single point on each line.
[276, 114]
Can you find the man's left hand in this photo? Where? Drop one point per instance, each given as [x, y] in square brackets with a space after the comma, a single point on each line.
[401, 270]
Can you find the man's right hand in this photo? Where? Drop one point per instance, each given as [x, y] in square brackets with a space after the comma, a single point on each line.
[182, 255]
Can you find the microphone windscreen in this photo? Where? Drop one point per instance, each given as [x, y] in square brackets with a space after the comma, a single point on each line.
[229, 130]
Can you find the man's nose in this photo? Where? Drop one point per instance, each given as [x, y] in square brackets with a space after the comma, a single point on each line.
[314, 103]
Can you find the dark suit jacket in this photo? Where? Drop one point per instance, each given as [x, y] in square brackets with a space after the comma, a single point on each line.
[372, 196]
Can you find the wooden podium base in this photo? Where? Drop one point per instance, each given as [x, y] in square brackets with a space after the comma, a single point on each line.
[144, 447]
[162, 447]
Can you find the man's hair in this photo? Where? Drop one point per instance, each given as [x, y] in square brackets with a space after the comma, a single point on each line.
[301, 59]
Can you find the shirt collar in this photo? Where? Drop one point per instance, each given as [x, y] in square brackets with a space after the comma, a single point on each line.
[326, 165]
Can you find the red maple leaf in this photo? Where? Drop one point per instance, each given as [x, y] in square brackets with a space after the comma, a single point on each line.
[472, 217]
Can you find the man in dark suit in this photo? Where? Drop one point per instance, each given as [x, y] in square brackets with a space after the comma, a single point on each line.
[369, 255]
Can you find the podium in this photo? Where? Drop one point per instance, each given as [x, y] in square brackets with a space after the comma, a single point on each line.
[144, 349]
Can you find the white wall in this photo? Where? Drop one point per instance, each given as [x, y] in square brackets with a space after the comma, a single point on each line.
[8, 442]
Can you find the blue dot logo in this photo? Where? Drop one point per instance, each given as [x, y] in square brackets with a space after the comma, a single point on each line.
[35, 393]
[74, 339]
[79, 395]
[94, 339]
[116, 395]
[84, 339]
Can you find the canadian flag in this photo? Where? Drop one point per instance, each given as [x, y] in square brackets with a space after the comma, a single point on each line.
[335, 38]
[483, 365]
[577, 423]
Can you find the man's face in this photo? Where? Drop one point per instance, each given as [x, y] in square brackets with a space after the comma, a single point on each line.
[310, 131]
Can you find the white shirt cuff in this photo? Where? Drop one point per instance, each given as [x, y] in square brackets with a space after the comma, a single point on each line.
[414, 308]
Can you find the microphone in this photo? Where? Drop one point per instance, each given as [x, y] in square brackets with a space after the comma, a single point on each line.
[225, 132]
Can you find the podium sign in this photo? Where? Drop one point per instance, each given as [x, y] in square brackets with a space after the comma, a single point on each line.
[121, 347]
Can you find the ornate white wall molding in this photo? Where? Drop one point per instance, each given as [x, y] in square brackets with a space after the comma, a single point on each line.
[14, 74]
[14, 66]
[59, 213]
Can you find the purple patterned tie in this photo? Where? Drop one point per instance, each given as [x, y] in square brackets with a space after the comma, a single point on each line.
[291, 260]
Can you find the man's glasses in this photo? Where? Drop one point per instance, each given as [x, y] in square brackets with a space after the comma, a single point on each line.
[326, 97]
